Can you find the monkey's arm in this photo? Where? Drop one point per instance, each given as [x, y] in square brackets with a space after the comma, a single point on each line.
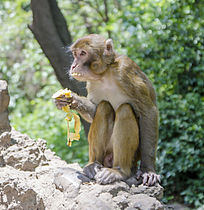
[149, 135]
[80, 104]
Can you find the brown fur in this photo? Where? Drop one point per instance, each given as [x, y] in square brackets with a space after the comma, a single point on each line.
[121, 104]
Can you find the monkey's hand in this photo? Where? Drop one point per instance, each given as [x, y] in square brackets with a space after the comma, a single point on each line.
[91, 169]
[149, 178]
[62, 101]
[108, 175]
[78, 103]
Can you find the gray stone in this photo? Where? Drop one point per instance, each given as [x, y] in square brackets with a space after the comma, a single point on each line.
[69, 180]
[153, 191]
[178, 206]
[5, 140]
[86, 202]
[4, 102]
[21, 152]
[143, 201]
[4, 122]
[4, 96]
[2, 162]
[33, 177]
[26, 159]
[19, 197]
[122, 199]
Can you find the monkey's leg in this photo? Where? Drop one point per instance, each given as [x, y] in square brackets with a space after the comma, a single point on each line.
[99, 137]
[125, 140]
[148, 145]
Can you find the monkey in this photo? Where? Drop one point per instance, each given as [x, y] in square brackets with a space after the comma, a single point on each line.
[121, 107]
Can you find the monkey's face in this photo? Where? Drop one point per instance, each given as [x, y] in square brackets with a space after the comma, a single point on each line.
[91, 54]
[83, 65]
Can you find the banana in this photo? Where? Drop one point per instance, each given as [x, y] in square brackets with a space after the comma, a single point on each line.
[77, 127]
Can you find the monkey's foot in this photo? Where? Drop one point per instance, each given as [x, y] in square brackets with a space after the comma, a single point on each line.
[150, 178]
[107, 176]
[91, 169]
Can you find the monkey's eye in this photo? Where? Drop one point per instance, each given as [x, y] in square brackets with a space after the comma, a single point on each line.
[82, 53]
[74, 53]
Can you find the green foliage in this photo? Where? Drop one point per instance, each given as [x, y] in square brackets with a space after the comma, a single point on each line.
[22, 62]
[181, 146]
[164, 37]
[173, 55]
[45, 121]
[31, 83]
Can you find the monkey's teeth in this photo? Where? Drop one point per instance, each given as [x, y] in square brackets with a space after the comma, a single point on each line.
[76, 74]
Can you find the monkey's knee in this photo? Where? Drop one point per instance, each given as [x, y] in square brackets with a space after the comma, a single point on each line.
[100, 131]
[126, 121]
[125, 138]
[125, 111]
[104, 116]
[104, 109]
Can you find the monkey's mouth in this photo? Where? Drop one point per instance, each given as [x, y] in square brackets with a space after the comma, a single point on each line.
[76, 74]
[75, 71]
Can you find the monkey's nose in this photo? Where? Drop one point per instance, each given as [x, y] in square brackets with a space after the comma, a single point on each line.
[74, 66]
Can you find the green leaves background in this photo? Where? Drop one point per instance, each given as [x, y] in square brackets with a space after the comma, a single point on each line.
[164, 37]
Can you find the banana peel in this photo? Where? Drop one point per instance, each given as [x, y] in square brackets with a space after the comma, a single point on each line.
[77, 127]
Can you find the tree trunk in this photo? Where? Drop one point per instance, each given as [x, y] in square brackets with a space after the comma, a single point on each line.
[50, 30]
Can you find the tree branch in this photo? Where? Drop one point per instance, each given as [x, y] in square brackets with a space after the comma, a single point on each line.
[50, 30]
[96, 9]
[106, 16]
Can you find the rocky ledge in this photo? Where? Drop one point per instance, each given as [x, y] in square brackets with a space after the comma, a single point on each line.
[33, 177]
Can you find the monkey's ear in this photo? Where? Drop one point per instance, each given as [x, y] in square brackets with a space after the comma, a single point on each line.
[109, 45]
[109, 54]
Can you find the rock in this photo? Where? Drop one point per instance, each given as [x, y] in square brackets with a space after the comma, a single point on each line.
[178, 206]
[4, 122]
[4, 102]
[4, 96]
[5, 140]
[16, 194]
[154, 191]
[24, 155]
[87, 202]
[69, 180]
[33, 177]
[143, 201]
[2, 162]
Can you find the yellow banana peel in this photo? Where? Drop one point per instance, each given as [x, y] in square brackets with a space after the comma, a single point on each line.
[77, 127]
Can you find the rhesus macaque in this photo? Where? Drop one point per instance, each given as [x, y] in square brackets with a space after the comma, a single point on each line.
[121, 107]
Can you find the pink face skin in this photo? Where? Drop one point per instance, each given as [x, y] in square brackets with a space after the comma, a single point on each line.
[80, 69]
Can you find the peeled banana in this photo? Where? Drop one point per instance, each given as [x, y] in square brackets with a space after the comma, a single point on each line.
[70, 136]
